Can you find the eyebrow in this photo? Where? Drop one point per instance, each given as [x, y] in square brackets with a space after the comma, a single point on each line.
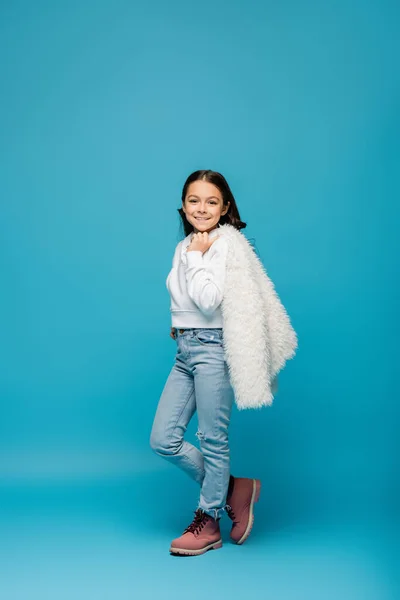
[209, 198]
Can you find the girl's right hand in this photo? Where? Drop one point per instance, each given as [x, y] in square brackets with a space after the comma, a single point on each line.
[173, 333]
[201, 241]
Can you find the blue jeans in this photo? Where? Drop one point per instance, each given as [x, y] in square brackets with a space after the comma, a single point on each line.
[199, 380]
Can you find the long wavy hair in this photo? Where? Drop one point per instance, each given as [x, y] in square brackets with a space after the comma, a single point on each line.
[232, 216]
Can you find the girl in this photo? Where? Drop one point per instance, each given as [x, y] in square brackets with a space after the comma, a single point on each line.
[201, 379]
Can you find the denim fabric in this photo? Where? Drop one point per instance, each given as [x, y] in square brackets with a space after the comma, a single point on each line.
[199, 380]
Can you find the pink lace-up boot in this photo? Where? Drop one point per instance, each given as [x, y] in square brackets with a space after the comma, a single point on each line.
[242, 494]
[202, 534]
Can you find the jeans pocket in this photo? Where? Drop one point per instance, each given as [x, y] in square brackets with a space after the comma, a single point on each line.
[208, 337]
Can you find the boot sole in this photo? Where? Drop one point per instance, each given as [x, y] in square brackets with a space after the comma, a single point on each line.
[187, 552]
[254, 498]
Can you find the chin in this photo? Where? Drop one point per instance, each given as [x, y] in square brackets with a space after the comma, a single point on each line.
[204, 226]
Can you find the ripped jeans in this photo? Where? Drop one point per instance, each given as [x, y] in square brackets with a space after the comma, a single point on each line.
[199, 380]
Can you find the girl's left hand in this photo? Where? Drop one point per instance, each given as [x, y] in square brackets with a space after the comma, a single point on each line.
[200, 242]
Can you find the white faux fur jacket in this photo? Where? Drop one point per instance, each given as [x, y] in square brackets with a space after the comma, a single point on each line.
[258, 336]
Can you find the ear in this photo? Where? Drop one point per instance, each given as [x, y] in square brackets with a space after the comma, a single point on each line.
[225, 209]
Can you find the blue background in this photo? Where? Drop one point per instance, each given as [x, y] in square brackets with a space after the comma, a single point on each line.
[106, 108]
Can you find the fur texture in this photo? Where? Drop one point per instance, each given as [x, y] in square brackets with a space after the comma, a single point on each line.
[258, 336]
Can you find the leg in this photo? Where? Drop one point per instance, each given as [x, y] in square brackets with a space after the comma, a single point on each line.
[214, 400]
[175, 409]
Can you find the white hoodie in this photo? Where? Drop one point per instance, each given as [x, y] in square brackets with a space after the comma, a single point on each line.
[196, 283]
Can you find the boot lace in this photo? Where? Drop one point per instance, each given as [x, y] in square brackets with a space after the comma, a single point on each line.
[200, 519]
[230, 512]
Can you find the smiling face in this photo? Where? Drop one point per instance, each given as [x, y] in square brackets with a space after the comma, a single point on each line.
[203, 206]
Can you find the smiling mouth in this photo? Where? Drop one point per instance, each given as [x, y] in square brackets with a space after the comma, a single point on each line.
[202, 219]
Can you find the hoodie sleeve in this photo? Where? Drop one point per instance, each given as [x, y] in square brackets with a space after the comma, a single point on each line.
[205, 279]
[175, 262]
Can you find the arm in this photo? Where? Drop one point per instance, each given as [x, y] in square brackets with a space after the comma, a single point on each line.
[175, 262]
[205, 282]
